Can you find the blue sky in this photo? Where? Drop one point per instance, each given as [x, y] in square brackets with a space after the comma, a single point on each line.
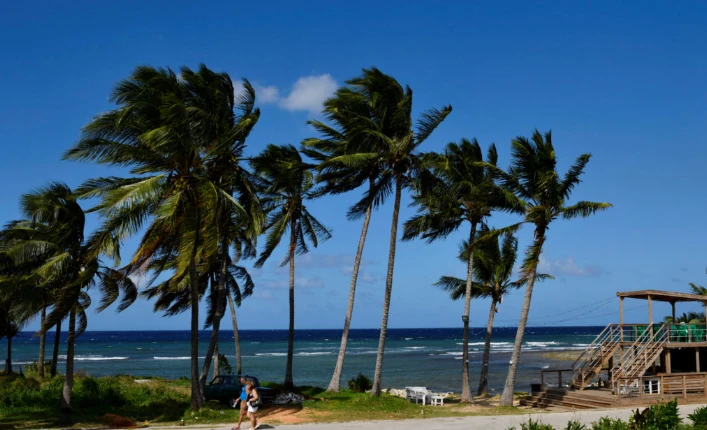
[622, 80]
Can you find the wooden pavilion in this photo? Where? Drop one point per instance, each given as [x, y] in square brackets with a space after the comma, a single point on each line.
[631, 363]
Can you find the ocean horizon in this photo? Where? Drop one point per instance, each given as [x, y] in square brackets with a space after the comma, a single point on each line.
[414, 356]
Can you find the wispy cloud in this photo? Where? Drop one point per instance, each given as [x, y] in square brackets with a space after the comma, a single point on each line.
[300, 282]
[307, 94]
[568, 267]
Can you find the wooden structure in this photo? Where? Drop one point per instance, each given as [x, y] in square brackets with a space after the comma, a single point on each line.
[636, 362]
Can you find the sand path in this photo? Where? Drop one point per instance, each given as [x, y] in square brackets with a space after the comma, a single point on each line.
[498, 422]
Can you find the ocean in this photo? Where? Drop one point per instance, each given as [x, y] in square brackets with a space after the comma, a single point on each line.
[428, 357]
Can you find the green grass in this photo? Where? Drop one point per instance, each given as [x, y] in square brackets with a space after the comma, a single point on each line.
[26, 402]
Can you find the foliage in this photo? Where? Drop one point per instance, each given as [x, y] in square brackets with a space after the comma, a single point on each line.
[360, 384]
[660, 416]
[606, 423]
[575, 425]
[224, 367]
[699, 416]
[535, 425]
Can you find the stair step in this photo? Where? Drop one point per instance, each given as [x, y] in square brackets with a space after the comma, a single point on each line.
[565, 399]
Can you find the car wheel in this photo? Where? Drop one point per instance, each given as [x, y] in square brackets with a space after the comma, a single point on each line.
[233, 402]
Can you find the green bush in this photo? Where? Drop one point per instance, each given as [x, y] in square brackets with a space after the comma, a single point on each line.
[360, 384]
[575, 425]
[699, 416]
[534, 425]
[660, 416]
[606, 423]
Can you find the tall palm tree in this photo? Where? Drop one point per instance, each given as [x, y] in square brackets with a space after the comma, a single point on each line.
[168, 130]
[533, 177]
[379, 130]
[338, 176]
[460, 189]
[68, 261]
[289, 183]
[493, 269]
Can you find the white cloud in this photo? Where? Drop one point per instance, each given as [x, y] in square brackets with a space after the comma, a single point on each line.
[309, 93]
[268, 94]
[568, 267]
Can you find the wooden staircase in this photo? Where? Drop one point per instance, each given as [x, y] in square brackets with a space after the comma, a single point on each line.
[596, 357]
[639, 357]
[556, 398]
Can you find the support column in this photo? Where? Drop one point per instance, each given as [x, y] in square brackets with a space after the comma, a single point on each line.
[697, 359]
[668, 364]
[621, 319]
[650, 315]
[673, 305]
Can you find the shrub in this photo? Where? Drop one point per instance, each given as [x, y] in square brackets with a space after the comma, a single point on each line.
[606, 423]
[660, 416]
[360, 384]
[535, 425]
[575, 425]
[699, 416]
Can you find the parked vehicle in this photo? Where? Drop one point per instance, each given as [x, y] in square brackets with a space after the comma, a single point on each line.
[227, 389]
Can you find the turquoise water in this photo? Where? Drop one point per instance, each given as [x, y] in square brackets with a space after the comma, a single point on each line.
[429, 357]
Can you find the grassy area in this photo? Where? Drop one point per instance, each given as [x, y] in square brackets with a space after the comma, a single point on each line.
[29, 403]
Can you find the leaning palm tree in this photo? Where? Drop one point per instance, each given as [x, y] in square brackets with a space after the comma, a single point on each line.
[459, 190]
[533, 177]
[168, 132]
[67, 261]
[493, 269]
[288, 184]
[380, 131]
[338, 176]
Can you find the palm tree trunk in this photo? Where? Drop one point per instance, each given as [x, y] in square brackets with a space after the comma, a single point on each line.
[69, 377]
[236, 336]
[291, 336]
[466, 383]
[509, 388]
[55, 352]
[42, 341]
[216, 361]
[8, 361]
[335, 383]
[484, 377]
[378, 374]
[218, 314]
[194, 293]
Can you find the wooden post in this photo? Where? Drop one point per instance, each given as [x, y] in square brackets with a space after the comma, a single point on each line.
[697, 359]
[673, 305]
[650, 315]
[611, 367]
[684, 387]
[621, 316]
[668, 364]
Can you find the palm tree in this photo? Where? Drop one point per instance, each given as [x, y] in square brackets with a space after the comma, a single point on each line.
[493, 269]
[228, 132]
[459, 190]
[533, 177]
[168, 130]
[289, 183]
[700, 291]
[338, 177]
[379, 130]
[68, 261]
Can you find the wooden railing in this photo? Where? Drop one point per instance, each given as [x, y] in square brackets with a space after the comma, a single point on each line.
[559, 376]
[676, 384]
